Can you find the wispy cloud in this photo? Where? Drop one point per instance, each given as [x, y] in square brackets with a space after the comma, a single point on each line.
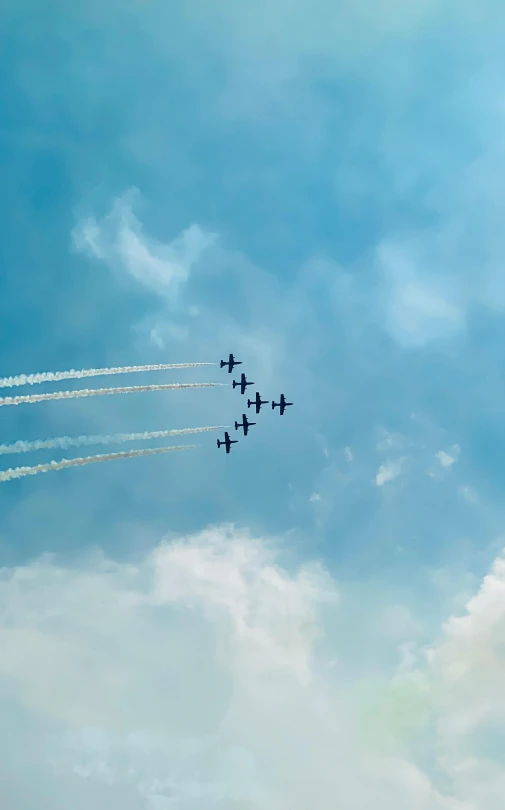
[448, 459]
[119, 240]
[419, 307]
[388, 472]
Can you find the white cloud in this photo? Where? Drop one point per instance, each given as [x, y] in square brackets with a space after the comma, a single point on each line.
[120, 241]
[468, 675]
[200, 676]
[448, 459]
[388, 472]
[348, 453]
[123, 660]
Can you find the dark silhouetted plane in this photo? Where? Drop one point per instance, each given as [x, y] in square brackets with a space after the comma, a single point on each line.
[282, 404]
[258, 402]
[227, 441]
[244, 424]
[243, 383]
[231, 362]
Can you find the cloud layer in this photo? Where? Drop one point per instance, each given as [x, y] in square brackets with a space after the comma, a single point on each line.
[210, 674]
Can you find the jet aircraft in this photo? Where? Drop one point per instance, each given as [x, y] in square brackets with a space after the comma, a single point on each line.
[282, 405]
[245, 424]
[243, 383]
[227, 441]
[231, 362]
[258, 402]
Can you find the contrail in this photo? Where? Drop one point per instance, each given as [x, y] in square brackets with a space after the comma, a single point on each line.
[73, 374]
[20, 472]
[94, 392]
[65, 442]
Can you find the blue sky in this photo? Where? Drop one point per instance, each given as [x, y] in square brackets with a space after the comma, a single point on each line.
[318, 188]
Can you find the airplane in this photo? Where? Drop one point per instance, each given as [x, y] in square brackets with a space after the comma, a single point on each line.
[258, 402]
[244, 424]
[282, 405]
[227, 442]
[230, 363]
[243, 383]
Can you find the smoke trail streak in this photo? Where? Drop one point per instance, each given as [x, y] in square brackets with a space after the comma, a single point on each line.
[94, 392]
[73, 374]
[65, 442]
[20, 472]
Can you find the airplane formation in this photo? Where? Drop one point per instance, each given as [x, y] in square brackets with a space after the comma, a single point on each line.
[257, 402]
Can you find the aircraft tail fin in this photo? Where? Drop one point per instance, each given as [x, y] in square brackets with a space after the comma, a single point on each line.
[236, 425]
[274, 405]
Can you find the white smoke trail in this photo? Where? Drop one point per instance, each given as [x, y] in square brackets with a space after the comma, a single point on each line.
[73, 374]
[65, 442]
[20, 472]
[94, 392]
